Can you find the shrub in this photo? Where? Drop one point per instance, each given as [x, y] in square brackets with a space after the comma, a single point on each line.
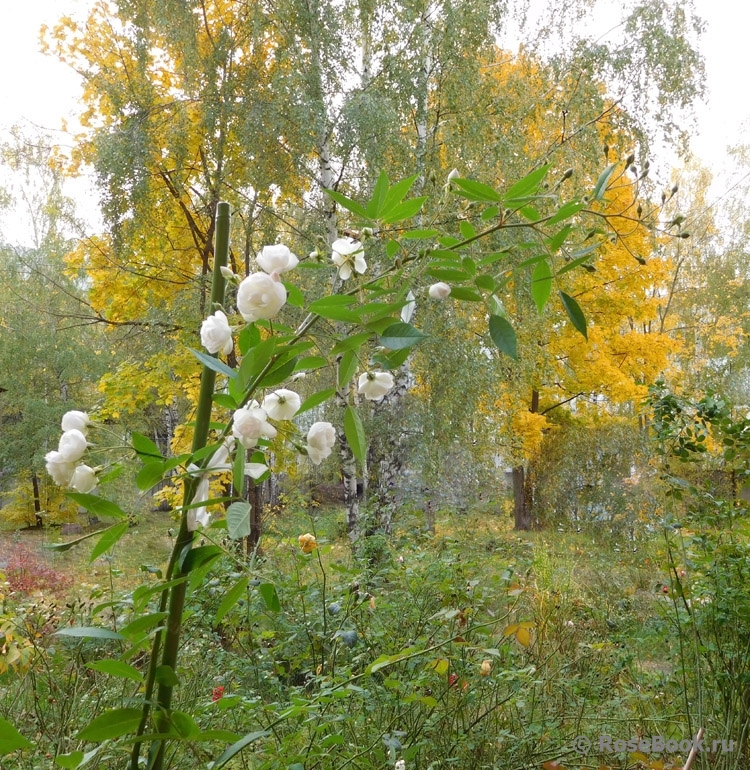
[27, 572]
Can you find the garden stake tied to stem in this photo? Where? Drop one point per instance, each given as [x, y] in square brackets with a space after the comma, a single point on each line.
[694, 750]
[173, 598]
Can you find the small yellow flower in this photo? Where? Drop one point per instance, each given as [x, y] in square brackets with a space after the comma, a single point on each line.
[485, 668]
[307, 543]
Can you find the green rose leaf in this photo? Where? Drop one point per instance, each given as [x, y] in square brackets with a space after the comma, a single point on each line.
[111, 724]
[400, 335]
[541, 284]
[90, 632]
[238, 520]
[575, 313]
[504, 336]
[116, 668]
[355, 434]
[11, 739]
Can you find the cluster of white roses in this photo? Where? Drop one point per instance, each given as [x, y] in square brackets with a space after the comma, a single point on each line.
[250, 424]
[262, 295]
[63, 465]
[259, 296]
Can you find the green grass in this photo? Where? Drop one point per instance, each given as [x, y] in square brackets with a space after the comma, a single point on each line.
[515, 643]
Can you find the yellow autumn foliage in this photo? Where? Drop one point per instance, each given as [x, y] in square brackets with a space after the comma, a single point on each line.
[169, 143]
[527, 429]
[621, 294]
[16, 651]
[157, 381]
[18, 509]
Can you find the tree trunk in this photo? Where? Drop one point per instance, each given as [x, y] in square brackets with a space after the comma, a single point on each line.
[522, 490]
[349, 479]
[385, 501]
[387, 452]
[37, 501]
[256, 515]
[423, 103]
[327, 180]
[429, 516]
[521, 500]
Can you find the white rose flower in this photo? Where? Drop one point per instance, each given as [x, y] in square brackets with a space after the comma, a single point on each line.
[439, 290]
[407, 311]
[320, 440]
[260, 296]
[59, 469]
[251, 424]
[74, 420]
[374, 385]
[216, 334]
[453, 175]
[348, 255]
[282, 404]
[199, 516]
[84, 479]
[218, 461]
[276, 259]
[72, 445]
[255, 470]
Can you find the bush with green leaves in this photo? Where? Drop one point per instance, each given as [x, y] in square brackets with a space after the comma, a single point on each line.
[243, 412]
[704, 445]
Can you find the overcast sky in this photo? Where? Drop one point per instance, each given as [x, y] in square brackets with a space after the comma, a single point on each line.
[39, 90]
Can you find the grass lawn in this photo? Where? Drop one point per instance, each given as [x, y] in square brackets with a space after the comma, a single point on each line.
[473, 647]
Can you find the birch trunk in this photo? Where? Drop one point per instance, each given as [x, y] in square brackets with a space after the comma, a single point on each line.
[387, 451]
[327, 180]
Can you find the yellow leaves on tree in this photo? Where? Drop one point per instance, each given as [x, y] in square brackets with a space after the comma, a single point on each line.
[625, 350]
[527, 429]
[20, 507]
[122, 291]
[175, 117]
[127, 391]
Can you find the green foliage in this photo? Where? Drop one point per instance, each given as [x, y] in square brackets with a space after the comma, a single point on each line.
[705, 451]
[595, 477]
[170, 170]
[703, 444]
[48, 362]
[503, 335]
[450, 644]
[10, 739]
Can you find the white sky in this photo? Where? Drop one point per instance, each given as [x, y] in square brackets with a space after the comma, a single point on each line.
[37, 90]
[724, 47]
